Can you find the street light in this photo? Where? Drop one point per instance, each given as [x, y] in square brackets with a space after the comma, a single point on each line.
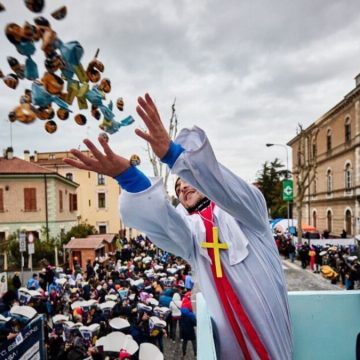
[286, 175]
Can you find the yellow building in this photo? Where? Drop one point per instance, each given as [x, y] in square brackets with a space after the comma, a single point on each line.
[332, 201]
[97, 194]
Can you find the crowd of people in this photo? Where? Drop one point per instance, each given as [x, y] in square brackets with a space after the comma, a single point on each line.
[142, 292]
[338, 263]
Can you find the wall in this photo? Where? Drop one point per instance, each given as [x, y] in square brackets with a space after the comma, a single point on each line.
[325, 325]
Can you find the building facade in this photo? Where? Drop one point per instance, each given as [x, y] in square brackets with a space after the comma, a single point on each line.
[97, 194]
[33, 198]
[331, 146]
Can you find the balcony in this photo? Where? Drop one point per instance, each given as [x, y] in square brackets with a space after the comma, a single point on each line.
[325, 325]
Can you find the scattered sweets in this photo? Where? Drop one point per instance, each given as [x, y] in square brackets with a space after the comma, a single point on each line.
[65, 83]
[50, 126]
[80, 119]
[105, 136]
[59, 14]
[135, 160]
[35, 5]
[2, 7]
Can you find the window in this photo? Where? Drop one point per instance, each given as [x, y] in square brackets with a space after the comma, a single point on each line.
[72, 202]
[2, 200]
[328, 182]
[101, 201]
[69, 176]
[102, 229]
[348, 180]
[61, 204]
[347, 130]
[314, 219]
[348, 222]
[328, 140]
[101, 179]
[51, 156]
[89, 203]
[329, 221]
[314, 188]
[29, 199]
[314, 151]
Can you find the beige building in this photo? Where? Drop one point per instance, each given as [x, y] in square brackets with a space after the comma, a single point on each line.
[33, 198]
[97, 194]
[332, 142]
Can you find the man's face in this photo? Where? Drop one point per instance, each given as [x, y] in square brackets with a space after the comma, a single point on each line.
[188, 196]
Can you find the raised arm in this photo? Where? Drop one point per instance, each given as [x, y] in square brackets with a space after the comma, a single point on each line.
[198, 166]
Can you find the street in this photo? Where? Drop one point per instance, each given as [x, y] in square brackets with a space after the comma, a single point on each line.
[298, 279]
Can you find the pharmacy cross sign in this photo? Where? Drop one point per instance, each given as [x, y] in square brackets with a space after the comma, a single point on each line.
[288, 193]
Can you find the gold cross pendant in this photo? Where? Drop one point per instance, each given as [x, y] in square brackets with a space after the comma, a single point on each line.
[216, 246]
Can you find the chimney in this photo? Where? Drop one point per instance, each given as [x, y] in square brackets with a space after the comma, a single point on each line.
[9, 153]
[357, 80]
[35, 156]
[26, 155]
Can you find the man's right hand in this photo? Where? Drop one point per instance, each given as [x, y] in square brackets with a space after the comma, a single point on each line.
[109, 164]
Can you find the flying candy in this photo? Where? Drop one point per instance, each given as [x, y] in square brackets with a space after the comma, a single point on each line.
[135, 160]
[64, 80]
[59, 14]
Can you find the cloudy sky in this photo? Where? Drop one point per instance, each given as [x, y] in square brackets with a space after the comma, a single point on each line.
[247, 72]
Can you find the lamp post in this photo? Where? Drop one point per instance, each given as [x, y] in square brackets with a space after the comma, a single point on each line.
[286, 176]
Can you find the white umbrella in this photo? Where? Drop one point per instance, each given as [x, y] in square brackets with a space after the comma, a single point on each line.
[150, 352]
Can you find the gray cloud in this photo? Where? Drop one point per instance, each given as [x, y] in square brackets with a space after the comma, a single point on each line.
[246, 72]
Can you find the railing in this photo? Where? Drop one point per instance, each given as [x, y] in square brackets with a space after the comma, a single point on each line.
[325, 325]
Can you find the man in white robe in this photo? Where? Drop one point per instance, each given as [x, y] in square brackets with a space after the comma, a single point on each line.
[251, 311]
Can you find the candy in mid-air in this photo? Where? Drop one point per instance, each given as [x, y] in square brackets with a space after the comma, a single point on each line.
[120, 104]
[95, 112]
[80, 119]
[11, 81]
[2, 7]
[105, 136]
[53, 83]
[16, 67]
[14, 33]
[26, 98]
[105, 85]
[35, 5]
[54, 63]
[60, 13]
[62, 114]
[45, 112]
[50, 126]
[25, 113]
[135, 160]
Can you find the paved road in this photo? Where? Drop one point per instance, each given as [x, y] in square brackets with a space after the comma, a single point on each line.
[298, 279]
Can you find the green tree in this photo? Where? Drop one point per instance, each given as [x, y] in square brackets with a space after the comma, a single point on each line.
[269, 181]
[82, 230]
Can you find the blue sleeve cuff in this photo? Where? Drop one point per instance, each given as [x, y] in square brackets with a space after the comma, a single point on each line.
[173, 153]
[133, 180]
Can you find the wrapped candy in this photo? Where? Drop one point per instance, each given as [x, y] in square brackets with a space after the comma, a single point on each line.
[64, 79]
[35, 5]
[135, 160]
[11, 80]
[60, 13]
[50, 126]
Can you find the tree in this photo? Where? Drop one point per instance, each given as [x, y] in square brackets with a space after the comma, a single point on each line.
[269, 181]
[82, 230]
[304, 168]
[160, 169]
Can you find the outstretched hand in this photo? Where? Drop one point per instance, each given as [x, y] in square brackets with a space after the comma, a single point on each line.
[109, 164]
[156, 136]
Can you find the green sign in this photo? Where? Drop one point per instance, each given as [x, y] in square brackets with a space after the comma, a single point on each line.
[288, 192]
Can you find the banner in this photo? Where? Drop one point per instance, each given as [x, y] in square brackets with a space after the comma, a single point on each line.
[3, 283]
[28, 345]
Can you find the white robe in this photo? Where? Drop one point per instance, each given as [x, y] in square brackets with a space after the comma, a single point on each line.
[252, 263]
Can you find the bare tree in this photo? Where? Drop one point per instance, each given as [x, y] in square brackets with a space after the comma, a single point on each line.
[304, 169]
[159, 168]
